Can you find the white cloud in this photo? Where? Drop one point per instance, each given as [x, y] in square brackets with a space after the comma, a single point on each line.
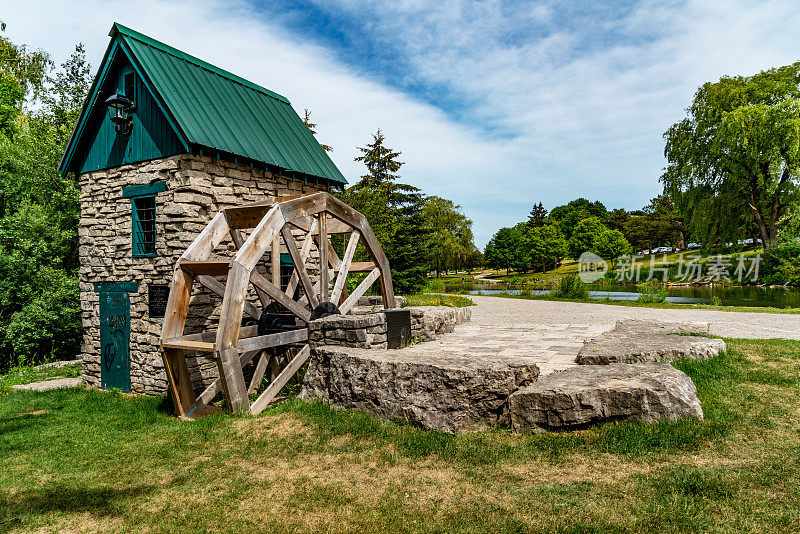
[578, 117]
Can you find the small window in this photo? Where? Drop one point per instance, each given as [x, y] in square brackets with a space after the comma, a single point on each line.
[144, 225]
[127, 84]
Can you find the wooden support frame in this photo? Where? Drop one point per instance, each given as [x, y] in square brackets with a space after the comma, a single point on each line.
[234, 346]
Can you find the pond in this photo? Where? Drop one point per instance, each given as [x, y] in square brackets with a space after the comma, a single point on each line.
[777, 297]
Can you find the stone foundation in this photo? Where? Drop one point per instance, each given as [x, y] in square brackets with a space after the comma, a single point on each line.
[196, 189]
[368, 330]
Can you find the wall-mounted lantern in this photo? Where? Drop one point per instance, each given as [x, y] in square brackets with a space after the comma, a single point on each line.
[120, 108]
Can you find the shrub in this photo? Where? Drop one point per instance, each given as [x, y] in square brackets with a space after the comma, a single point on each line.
[781, 263]
[653, 291]
[571, 287]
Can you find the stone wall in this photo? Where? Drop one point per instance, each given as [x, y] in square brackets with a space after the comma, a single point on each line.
[368, 330]
[196, 189]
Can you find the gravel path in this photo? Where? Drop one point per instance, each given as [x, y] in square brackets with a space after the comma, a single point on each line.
[498, 311]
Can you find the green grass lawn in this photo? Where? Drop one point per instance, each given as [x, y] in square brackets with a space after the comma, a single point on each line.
[77, 460]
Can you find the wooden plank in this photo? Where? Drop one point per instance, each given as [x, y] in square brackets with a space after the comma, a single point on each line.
[233, 386]
[207, 240]
[238, 241]
[295, 278]
[362, 266]
[299, 266]
[273, 340]
[187, 344]
[258, 373]
[275, 292]
[178, 378]
[324, 289]
[230, 320]
[211, 335]
[206, 267]
[303, 206]
[275, 257]
[218, 288]
[260, 239]
[275, 387]
[344, 268]
[358, 292]
[213, 389]
[248, 216]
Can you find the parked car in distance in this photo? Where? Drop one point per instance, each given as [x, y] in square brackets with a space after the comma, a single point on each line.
[694, 246]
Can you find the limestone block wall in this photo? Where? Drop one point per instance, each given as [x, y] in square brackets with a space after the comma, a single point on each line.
[368, 330]
[196, 188]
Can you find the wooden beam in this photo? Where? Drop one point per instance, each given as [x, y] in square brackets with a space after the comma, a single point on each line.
[280, 296]
[304, 252]
[272, 340]
[238, 241]
[230, 321]
[178, 377]
[211, 236]
[213, 389]
[275, 387]
[299, 266]
[207, 267]
[362, 266]
[358, 292]
[258, 373]
[275, 257]
[218, 288]
[323, 258]
[186, 344]
[344, 267]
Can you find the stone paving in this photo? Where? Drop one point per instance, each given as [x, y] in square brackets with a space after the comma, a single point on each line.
[551, 347]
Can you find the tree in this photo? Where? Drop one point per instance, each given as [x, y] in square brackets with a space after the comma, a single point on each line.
[617, 218]
[39, 210]
[741, 138]
[545, 247]
[506, 249]
[451, 233]
[394, 212]
[585, 236]
[381, 161]
[611, 244]
[570, 214]
[70, 86]
[312, 126]
[537, 216]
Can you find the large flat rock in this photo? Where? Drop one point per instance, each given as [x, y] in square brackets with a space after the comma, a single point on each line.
[47, 385]
[584, 395]
[644, 341]
[448, 391]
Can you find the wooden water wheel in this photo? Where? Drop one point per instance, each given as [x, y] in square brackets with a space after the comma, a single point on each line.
[316, 279]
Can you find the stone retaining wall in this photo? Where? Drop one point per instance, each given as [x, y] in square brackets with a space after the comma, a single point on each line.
[196, 189]
[368, 330]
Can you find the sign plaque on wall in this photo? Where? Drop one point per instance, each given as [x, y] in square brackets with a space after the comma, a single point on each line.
[157, 296]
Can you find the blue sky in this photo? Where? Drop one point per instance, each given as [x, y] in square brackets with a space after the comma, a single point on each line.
[496, 105]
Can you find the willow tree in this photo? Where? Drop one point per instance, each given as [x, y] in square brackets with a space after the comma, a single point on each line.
[740, 141]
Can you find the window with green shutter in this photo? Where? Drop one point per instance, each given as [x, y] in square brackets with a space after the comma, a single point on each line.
[143, 217]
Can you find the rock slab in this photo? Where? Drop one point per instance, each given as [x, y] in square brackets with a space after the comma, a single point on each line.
[644, 341]
[584, 395]
[47, 385]
[449, 392]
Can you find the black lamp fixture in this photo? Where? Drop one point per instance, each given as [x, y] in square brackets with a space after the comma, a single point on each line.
[120, 108]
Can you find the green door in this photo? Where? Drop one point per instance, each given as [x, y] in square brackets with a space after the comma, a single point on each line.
[115, 335]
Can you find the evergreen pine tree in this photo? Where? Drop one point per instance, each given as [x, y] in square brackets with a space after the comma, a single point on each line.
[537, 216]
[312, 126]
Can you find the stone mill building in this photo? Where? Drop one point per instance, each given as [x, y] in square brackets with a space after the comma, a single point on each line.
[164, 141]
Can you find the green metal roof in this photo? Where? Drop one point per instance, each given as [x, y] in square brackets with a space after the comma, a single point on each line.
[221, 111]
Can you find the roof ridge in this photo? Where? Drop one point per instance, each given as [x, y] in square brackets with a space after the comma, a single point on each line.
[179, 54]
